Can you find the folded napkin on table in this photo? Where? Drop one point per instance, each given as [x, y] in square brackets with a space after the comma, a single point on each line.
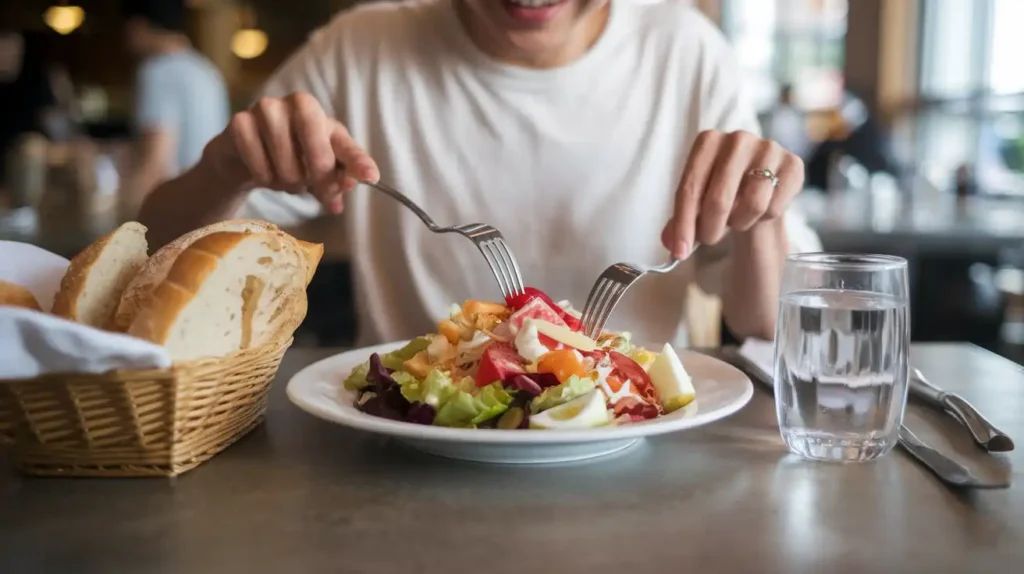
[34, 343]
[761, 353]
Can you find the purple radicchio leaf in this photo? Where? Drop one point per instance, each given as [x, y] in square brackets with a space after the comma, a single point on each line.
[421, 413]
[525, 384]
[388, 390]
[544, 380]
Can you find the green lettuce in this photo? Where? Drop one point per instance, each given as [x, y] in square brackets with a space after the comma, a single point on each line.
[357, 378]
[431, 390]
[394, 359]
[563, 393]
[461, 408]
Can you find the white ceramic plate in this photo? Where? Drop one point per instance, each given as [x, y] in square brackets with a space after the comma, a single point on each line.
[317, 389]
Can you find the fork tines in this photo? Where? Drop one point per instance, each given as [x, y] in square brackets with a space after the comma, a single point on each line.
[498, 256]
[605, 295]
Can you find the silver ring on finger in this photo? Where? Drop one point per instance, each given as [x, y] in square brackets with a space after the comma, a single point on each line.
[765, 173]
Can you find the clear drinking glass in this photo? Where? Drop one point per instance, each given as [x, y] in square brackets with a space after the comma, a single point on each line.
[842, 355]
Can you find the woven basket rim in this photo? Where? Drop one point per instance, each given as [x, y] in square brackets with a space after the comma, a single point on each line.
[128, 375]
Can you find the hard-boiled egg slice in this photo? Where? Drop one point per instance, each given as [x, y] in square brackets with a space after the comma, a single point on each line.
[674, 386]
[583, 412]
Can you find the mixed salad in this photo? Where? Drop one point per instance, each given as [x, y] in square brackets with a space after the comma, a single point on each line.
[522, 364]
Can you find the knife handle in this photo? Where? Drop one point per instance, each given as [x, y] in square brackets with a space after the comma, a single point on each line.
[985, 434]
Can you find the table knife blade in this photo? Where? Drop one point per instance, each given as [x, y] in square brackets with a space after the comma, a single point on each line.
[984, 433]
[947, 469]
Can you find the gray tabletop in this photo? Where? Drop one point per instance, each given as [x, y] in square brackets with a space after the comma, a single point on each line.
[302, 495]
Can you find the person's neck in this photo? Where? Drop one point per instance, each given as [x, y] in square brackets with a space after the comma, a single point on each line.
[583, 38]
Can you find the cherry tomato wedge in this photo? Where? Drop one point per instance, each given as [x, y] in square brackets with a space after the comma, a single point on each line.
[499, 362]
[562, 363]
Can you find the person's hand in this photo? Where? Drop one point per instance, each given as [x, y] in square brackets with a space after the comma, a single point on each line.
[719, 192]
[289, 144]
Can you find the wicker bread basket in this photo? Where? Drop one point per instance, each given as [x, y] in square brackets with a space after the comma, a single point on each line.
[161, 422]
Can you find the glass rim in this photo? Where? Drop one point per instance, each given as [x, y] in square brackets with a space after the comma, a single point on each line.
[847, 261]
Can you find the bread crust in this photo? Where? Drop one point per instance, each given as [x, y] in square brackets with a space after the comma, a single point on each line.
[143, 286]
[65, 302]
[14, 295]
[156, 320]
[184, 279]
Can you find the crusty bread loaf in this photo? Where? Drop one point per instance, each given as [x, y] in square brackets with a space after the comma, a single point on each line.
[155, 270]
[313, 252]
[17, 296]
[91, 288]
[227, 291]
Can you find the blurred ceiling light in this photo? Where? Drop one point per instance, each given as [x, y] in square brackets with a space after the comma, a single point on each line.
[64, 19]
[249, 43]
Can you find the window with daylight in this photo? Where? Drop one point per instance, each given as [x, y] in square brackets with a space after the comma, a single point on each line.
[972, 92]
[789, 42]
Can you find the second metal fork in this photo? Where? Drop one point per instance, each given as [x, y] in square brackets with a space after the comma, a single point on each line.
[486, 238]
[610, 288]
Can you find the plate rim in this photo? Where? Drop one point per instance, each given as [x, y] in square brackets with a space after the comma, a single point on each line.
[353, 418]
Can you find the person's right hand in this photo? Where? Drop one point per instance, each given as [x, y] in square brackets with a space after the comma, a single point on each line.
[289, 144]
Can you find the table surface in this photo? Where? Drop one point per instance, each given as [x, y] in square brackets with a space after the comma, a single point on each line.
[301, 493]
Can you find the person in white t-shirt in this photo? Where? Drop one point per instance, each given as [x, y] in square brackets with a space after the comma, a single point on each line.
[586, 131]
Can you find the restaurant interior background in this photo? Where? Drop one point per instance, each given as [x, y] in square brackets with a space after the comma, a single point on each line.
[909, 115]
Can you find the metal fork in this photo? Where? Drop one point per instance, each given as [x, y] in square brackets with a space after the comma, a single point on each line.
[610, 287]
[486, 238]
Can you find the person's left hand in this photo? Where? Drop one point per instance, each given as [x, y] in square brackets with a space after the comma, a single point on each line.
[719, 192]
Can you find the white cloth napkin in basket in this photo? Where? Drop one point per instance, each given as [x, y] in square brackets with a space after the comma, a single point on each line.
[34, 343]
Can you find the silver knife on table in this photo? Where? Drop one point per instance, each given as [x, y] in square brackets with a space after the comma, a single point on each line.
[946, 469]
[984, 433]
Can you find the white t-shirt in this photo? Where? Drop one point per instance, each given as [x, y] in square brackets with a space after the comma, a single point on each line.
[576, 166]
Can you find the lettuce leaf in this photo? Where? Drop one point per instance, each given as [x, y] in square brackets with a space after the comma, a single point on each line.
[464, 409]
[356, 380]
[430, 390]
[394, 359]
[563, 393]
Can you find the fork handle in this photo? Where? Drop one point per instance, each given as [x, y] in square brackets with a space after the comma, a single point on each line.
[401, 198]
[397, 196]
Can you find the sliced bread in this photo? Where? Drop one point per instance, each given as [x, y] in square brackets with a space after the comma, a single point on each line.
[155, 270]
[227, 291]
[91, 288]
[17, 296]
[313, 253]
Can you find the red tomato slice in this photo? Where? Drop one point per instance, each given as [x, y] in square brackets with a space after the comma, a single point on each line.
[627, 368]
[499, 362]
[535, 309]
[530, 294]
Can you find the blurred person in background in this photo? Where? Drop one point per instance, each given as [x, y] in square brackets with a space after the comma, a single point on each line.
[181, 101]
[787, 124]
[852, 132]
[587, 131]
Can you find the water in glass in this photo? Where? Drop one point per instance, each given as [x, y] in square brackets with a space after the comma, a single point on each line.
[841, 372]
